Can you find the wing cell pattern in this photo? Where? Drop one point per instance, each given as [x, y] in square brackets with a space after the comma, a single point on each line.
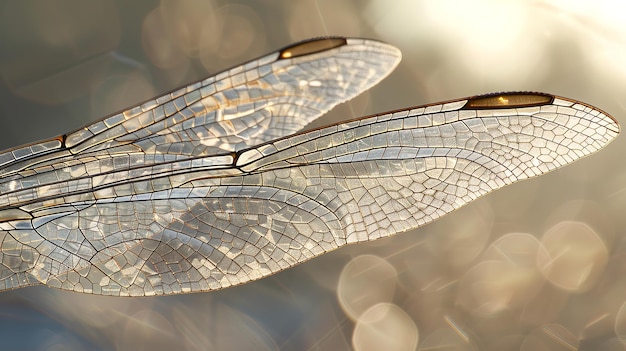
[259, 101]
[155, 221]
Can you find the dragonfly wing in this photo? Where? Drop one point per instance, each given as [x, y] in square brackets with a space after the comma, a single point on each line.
[393, 172]
[264, 99]
[268, 98]
[301, 196]
[259, 101]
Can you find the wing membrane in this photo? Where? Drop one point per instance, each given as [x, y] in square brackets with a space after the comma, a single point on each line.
[256, 102]
[261, 100]
[182, 224]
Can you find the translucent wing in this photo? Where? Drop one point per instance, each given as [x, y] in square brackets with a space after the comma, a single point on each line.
[268, 98]
[222, 220]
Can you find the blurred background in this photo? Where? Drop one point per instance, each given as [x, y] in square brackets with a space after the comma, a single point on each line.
[539, 265]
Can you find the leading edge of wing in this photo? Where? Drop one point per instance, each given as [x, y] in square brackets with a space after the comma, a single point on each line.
[141, 121]
[318, 145]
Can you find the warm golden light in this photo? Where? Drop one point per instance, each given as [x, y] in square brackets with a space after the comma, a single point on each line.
[508, 100]
[311, 47]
